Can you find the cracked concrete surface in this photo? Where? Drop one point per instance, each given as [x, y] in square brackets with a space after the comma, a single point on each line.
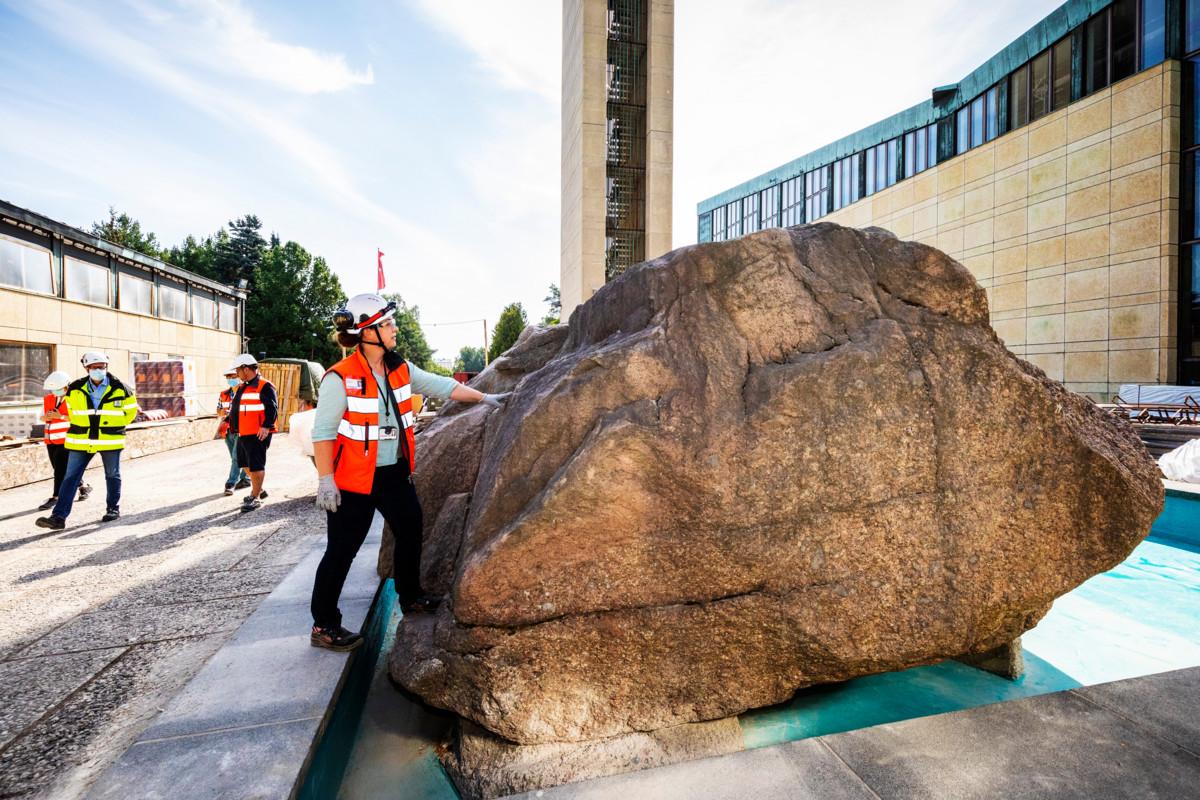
[104, 623]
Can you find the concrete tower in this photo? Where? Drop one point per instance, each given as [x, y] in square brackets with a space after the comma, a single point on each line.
[618, 76]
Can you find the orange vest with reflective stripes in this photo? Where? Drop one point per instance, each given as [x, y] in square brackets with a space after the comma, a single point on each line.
[56, 432]
[224, 401]
[251, 412]
[358, 432]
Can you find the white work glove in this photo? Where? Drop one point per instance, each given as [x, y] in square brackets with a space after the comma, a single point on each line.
[328, 496]
[495, 400]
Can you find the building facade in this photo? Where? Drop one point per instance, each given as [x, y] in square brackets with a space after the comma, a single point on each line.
[1061, 173]
[618, 66]
[64, 292]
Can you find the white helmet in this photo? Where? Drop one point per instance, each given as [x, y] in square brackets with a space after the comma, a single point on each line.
[56, 380]
[363, 311]
[94, 357]
[244, 360]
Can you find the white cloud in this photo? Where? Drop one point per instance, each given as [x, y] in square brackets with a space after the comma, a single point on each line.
[517, 42]
[223, 37]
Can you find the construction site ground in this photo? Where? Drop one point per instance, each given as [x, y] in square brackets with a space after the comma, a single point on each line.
[101, 624]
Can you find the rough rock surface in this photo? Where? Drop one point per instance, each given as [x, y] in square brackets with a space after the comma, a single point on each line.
[753, 466]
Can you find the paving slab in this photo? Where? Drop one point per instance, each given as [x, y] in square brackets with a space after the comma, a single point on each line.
[1057, 745]
[804, 770]
[31, 689]
[1167, 704]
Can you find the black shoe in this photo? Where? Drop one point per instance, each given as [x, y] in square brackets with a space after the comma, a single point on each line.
[338, 639]
[424, 604]
[250, 503]
[52, 522]
[84, 491]
[228, 489]
[49, 504]
[110, 515]
[243, 483]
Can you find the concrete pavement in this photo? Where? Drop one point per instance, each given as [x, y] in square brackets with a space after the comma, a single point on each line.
[102, 624]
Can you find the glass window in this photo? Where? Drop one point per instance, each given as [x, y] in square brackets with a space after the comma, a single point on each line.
[172, 303]
[769, 207]
[1062, 73]
[977, 121]
[23, 367]
[931, 148]
[837, 185]
[90, 283]
[910, 154]
[733, 220]
[816, 185]
[870, 167]
[1040, 86]
[1095, 53]
[1191, 26]
[855, 178]
[204, 311]
[1018, 98]
[963, 132]
[1124, 40]
[1154, 18]
[718, 224]
[25, 266]
[893, 161]
[793, 201]
[227, 316]
[992, 104]
[134, 294]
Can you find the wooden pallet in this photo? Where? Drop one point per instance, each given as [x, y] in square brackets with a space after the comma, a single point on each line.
[1160, 438]
[286, 378]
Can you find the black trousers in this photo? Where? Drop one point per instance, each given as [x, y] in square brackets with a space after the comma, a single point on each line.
[394, 497]
[58, 460]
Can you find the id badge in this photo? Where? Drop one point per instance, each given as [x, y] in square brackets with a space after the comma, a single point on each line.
[389, 433]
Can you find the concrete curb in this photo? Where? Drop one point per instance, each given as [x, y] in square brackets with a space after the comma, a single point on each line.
[247, 725]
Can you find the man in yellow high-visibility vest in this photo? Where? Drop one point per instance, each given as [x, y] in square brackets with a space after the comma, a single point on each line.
[99, 407]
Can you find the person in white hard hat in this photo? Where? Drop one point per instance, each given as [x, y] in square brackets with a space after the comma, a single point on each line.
[54, 415]
[99, 406]
[237, 478]
[364, 447]
[252, 417]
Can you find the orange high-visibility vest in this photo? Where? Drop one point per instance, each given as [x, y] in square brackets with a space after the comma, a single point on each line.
[251, 411]
[224, 403]
[56, 432]
[358, 432]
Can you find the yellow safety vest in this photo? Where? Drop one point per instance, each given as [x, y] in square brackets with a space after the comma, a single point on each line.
[103, 428]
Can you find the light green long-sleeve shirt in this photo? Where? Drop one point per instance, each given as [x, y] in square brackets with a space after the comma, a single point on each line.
[331, 407]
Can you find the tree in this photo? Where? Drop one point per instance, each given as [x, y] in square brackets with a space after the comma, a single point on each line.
[410, 339]
[240, 252]
[512, 322]
[291, 305]
[554, 300]
[198, 256]
[124, 230]
[470, 359]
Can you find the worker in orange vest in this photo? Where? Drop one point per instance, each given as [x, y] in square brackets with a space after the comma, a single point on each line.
[237, 476]
[364, 447]
[252, 416]
[54, 415]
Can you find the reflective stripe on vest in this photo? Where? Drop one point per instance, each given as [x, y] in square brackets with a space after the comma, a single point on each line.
[358, 431]
[93, 430]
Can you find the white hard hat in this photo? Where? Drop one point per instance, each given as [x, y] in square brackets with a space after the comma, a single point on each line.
[244, 360]
[56, 380]
[94, 357]
[363, 311]
[231, 371]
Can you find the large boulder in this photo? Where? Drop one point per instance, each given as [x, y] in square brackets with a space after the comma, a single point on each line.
[798, 457]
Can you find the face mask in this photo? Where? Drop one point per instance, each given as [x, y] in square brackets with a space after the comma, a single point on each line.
[97, 374]
[232, 381]
[60, 392]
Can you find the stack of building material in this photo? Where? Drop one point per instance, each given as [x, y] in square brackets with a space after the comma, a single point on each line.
[168, 385]
[286, 377]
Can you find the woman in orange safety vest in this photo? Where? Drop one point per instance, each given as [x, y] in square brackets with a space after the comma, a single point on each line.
[365, 450]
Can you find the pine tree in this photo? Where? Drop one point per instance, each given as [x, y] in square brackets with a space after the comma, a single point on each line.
[122, 229]
[512, 322]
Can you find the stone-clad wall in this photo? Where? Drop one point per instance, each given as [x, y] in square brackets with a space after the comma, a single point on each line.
[1070, 223]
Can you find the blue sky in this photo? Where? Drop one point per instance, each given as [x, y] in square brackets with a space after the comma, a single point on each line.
[428, 128]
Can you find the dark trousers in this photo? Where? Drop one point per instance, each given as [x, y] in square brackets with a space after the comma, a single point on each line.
[58, 460]
[393, 497]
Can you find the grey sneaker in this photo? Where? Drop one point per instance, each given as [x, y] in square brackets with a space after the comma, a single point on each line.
[251, 503]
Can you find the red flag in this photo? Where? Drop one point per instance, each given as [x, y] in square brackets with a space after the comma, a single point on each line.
[379, 261]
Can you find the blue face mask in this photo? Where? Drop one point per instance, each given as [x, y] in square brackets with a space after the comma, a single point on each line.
[232, 381]
[97, 375]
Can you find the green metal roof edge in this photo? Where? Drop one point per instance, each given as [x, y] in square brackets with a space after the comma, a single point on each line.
[1044, 33]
